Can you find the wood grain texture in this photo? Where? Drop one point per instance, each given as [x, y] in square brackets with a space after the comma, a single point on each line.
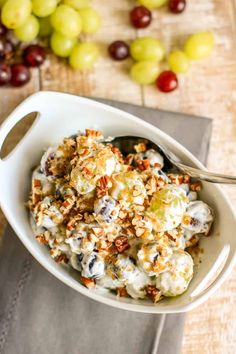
[209, 89]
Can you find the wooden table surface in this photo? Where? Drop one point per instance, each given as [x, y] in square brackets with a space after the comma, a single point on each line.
[209, 89]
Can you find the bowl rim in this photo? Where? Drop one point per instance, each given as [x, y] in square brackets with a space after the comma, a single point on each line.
[65, 278]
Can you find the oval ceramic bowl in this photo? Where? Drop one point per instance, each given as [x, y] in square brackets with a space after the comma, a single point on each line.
[62, 115]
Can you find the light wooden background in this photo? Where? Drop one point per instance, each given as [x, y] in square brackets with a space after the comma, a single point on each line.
[209, 89]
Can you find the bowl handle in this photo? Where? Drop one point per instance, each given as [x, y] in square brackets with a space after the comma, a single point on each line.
[220, 278]
[34, 103]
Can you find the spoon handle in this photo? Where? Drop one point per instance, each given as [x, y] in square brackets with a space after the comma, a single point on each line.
[206, 175]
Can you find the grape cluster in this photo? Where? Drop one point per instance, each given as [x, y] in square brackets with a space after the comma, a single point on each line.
[148, 52]
[61, 21]
[14, 63]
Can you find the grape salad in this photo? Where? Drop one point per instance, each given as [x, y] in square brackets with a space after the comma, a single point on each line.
[121, 222]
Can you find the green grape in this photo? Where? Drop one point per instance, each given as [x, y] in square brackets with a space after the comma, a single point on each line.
[145, 72]
[152, 4]
[178, 62]
[84, 56]
[15, 12]
[29, 30]
[77, 4]
[61, 45]
[45, 26]
[43, 8]
[199, 45]
[66, 21]
[91, 20]
[167, 207]
[147, 48]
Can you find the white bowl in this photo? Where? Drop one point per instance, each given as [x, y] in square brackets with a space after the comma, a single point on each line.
[62, 115]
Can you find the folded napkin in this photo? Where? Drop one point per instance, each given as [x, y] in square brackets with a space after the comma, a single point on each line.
[41, 315]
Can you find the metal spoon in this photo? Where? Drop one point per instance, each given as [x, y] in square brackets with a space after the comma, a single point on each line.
[171, 161]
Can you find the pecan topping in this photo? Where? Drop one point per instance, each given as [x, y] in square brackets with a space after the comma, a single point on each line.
[83, 152]
[176, 179]
[129, 159]
[195, 187]
[37, 183]
[116, 150]
[153, 293]
[193, 241]
[89, 283]
[157, 165]
[87, 172]
[41, 239]
[140, 147]
[143, 164]
[122, 292]
[62, 259]
[122, 244]
[187, 178]
[104, 183]
[93, 133]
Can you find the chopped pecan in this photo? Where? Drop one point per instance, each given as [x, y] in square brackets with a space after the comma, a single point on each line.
[141, 147]
[37, 183]
[54, 252]
[122, 214]
[42, 239]
[36, 198]
[62, 259]
[157, 165]
[116, 150]
[170, 236]
[153, 293]
[193, 241]
[93, 133]
[143, 164]
[160, 182]
[187, 179]
[122, 243]
[92, 238]
[83, 152]
[67, 204]
[122, 292]
[195, 187]
[71, 225]
[186, 219]
[104, 183]
[89, 283]
[176, 179]
[140, 231]
[98, 231]
[104, 245]
[129, 159]
[87, 172]
[69, 142]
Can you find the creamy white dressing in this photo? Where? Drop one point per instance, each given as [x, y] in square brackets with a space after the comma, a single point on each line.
[175, 281]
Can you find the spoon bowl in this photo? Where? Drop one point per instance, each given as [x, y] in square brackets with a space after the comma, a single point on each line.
[172, 163]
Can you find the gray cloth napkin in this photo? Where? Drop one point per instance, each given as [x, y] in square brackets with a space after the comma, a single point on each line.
[41, 315]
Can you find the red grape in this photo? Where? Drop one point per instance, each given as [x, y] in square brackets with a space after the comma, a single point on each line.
[34, 55]
[177, 6]
[20, 75]
[140, 17]
[118, 50]
[5, 74]
[167, 81]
